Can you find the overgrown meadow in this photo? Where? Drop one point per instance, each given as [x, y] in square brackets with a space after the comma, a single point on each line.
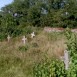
[17, 60]
[40, 57]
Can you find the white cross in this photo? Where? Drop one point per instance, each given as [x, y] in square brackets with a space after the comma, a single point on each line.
[8, 38]
[24, 40]
[32, 35]
[66, 59]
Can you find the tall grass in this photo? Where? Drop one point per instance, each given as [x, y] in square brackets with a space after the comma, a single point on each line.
[18, 61]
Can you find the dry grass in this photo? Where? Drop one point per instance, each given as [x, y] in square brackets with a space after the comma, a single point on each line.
[19, 63]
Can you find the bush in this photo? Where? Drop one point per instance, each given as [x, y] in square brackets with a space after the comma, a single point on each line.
[49, 68]
[2, 36]
[72, 49]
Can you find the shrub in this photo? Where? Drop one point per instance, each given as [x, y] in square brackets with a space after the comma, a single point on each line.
[72, 49]
[2, 36]
[49, 68]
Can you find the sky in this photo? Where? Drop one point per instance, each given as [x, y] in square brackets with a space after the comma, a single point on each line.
[4, 2]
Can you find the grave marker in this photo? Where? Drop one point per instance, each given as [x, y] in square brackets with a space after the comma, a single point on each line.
[24, 40]
[32, 35]
[66, 59]
[8, 38]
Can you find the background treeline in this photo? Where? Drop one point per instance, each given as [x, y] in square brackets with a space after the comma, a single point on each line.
[20, 15]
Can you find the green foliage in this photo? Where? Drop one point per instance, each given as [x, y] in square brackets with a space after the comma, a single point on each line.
[27, 30]
[55, 67]
[41, 13]
[2, 36]
[72, 48]
[68, 33]
[34, 15]
[23, 48]
[72, 42]
[49, 68]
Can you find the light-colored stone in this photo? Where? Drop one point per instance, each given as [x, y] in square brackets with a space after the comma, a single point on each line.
[32, 35]
[24, 39]
[66, 59]
[8, 38]
[49, 29]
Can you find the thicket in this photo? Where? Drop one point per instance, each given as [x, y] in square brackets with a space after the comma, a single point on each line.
[17, 16]
[72, 49]
[49, 68]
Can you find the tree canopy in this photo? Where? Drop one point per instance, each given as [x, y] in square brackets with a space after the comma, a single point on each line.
[19, 14]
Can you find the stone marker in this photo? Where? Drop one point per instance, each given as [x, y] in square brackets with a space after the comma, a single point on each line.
[66, 59]
[24, 40]
[8, 38]
[32, 35]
